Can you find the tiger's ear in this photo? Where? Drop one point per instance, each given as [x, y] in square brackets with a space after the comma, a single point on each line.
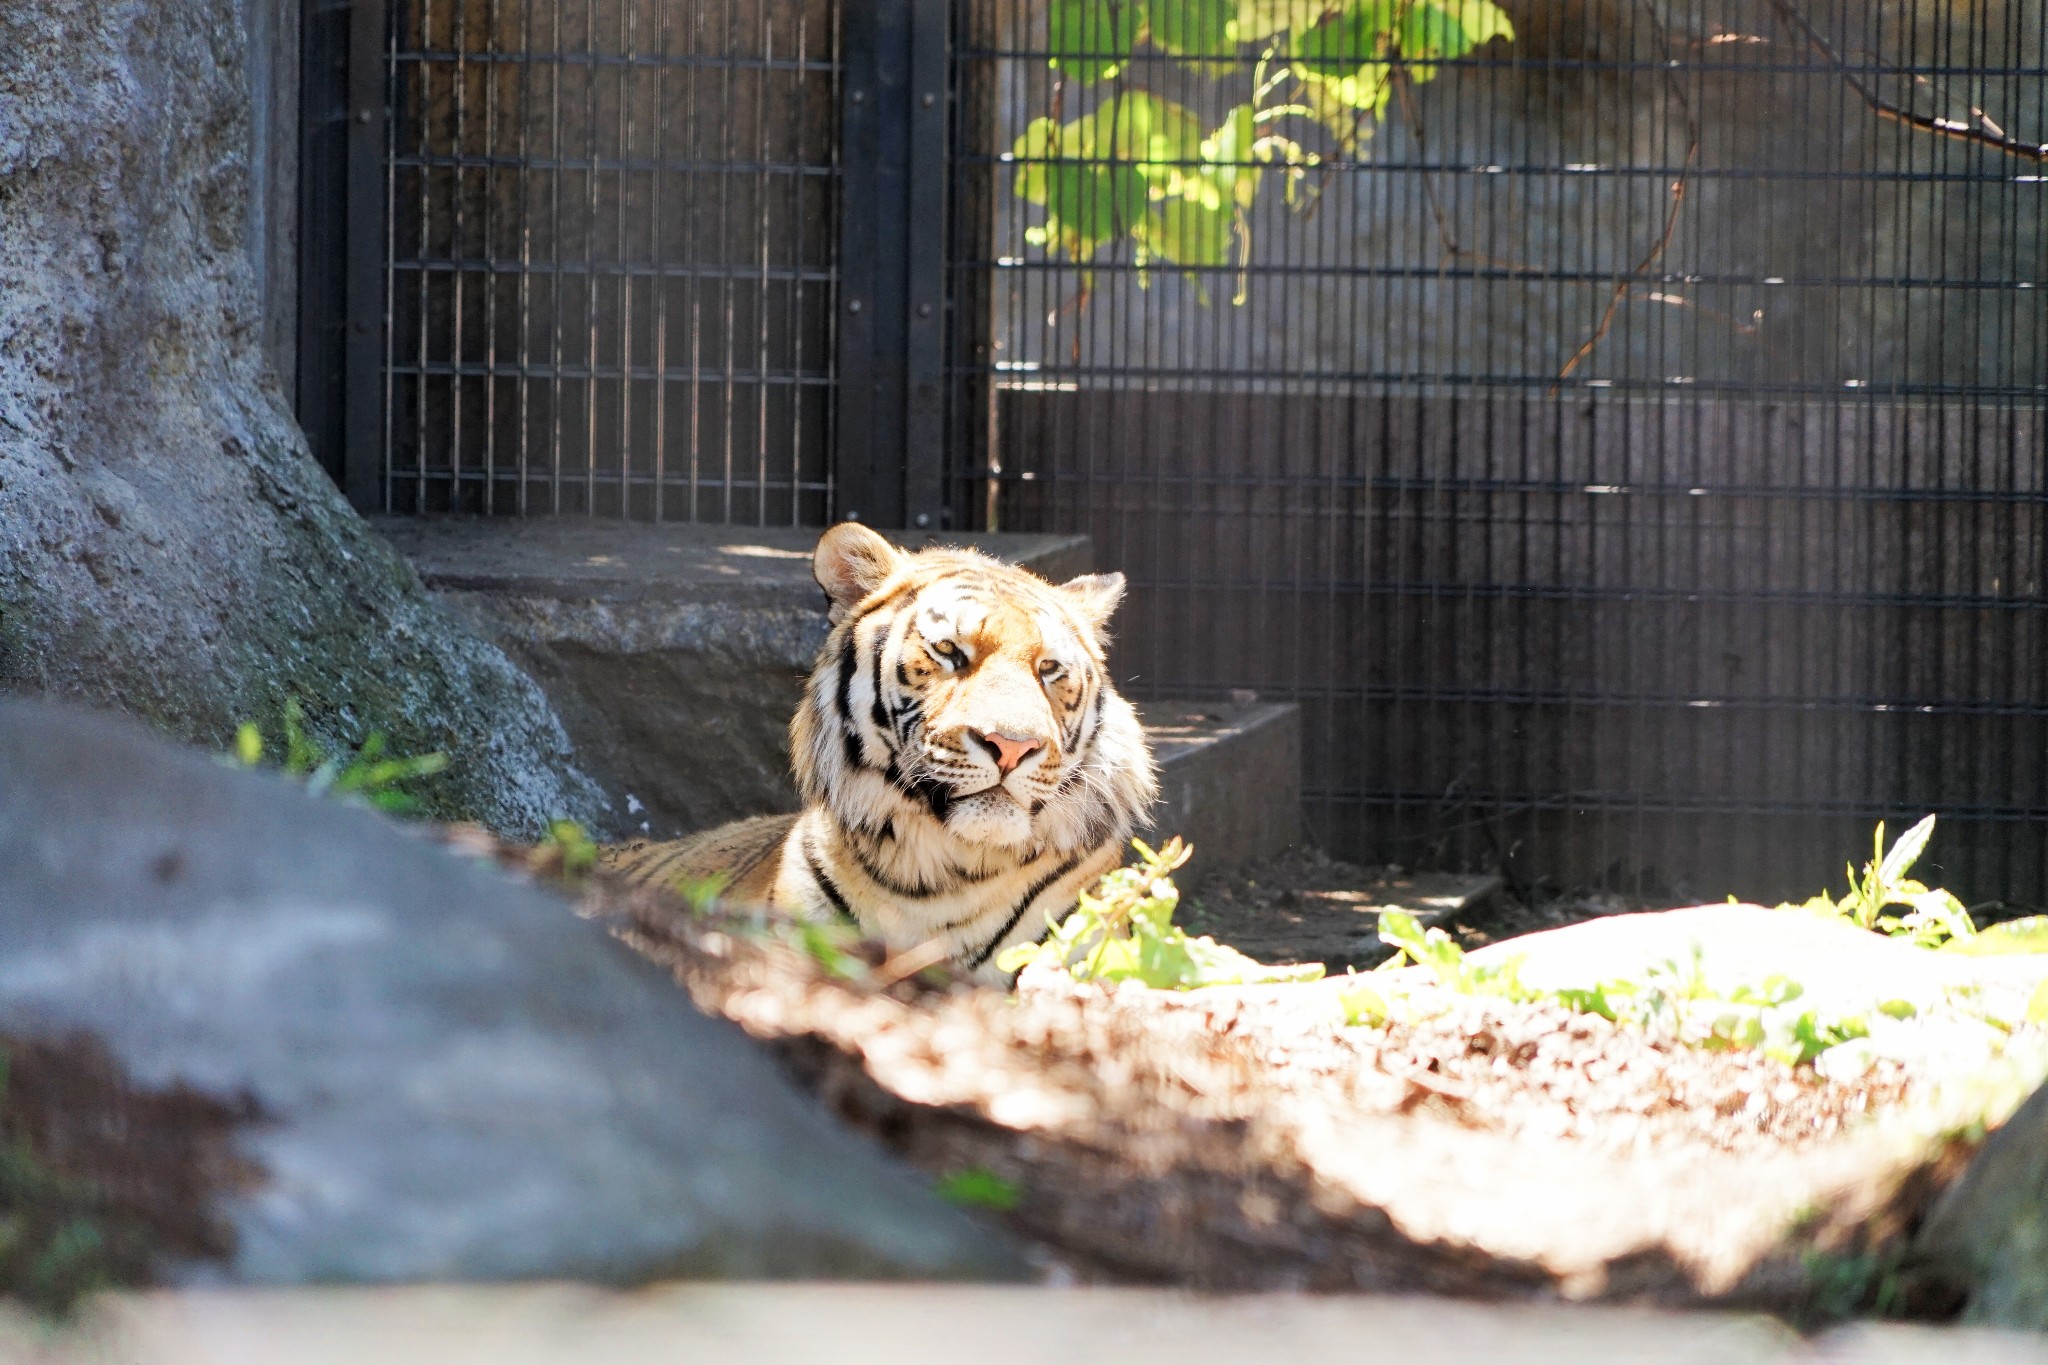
[1095, 595]
[851, 561]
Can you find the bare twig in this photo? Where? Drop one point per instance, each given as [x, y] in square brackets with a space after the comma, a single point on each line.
[1677, 203]
[1624, 289]
[1985, 132]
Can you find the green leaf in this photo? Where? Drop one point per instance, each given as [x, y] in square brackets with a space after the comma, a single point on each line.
[1091, 39]
[2017, 936]
[1142, 128]
[1231, 148]
[1482, 20]
[1426, 33]
[1123, 930]
[977, 1187]
[248, 744]
[1344, 40]
[1261, 19]
[1904, 853]
[1190, 234]
[1040, 143]
[2037, 1005]
[1366, 1005]
[1194, 28]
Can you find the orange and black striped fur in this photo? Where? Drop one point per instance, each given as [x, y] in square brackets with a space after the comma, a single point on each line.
[966, 767]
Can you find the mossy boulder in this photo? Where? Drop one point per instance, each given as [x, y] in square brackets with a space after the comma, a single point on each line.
[167, 545]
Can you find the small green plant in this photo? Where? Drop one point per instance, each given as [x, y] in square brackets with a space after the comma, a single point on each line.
[1123, 930]
[701, 894]
[1844, 1285]
[1933, 916]
[568, 848]
[1434, 949]
[977, 1187]
[366, 775]
[830, 945]
[1673, 998]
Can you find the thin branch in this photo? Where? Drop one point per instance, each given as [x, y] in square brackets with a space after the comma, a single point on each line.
[1678, 188]
[1984, 133]
[1447, 239]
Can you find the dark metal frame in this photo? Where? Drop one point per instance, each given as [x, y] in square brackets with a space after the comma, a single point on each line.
[369, 153]
[890, 458]
[323, 236]
[343, 150]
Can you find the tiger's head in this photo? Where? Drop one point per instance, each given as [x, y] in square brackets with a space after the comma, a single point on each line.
[961, 690]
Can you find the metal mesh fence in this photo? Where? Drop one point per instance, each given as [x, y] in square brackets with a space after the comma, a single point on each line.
[610, 258]
[1626, 442]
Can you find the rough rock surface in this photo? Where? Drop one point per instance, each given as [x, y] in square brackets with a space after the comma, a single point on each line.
[458, 1078]
[167, 546]
[1989, 1234]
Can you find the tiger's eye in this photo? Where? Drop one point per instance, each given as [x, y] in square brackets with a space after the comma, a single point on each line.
[947, 650]
[1050, 669]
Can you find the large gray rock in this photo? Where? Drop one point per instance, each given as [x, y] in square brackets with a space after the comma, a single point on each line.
[167, 546]
[1988, 1235]
[462, 1080]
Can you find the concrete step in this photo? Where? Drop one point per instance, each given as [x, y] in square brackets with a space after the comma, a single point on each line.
[675, 656]
[853, 1324]
[1229, 778]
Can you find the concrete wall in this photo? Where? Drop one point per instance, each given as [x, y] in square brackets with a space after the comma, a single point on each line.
[1633, 616]
[1554, 156]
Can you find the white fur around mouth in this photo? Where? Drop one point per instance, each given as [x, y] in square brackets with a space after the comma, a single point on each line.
[994, 789]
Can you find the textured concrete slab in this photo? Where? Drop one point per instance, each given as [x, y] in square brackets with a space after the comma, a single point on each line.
[1229, 777]
[582, 557]
[876, 1325]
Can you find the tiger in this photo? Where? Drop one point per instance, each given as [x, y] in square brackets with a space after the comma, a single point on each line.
[965, 764]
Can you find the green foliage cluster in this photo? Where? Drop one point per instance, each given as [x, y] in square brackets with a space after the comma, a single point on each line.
[1674, 999]
[569, 849]
[367, 775]
[1123, 930]
[1933, 916]
[1677, 1000]
[1141, 168]
[53, 1233]
[977, 1187]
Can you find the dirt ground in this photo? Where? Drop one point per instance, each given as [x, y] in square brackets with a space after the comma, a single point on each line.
[1245, 1139]
[1265, 905]
[102, 1181]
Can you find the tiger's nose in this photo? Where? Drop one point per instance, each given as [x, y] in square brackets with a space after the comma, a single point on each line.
[1009, 752]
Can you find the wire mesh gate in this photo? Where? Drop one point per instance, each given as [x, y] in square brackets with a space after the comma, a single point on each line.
[597, 271]
[1619, 425]
[1622, 433]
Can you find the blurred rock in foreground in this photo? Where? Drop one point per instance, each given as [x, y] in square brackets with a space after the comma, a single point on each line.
[458, 1079]
[167, 546]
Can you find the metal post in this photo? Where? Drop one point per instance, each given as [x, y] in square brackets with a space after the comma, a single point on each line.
[363, 344]
[322, 241]
[890, 452]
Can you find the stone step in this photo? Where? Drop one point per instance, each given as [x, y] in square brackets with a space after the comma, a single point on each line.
[1229, 778]
[675, 655]
[868, 1324]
